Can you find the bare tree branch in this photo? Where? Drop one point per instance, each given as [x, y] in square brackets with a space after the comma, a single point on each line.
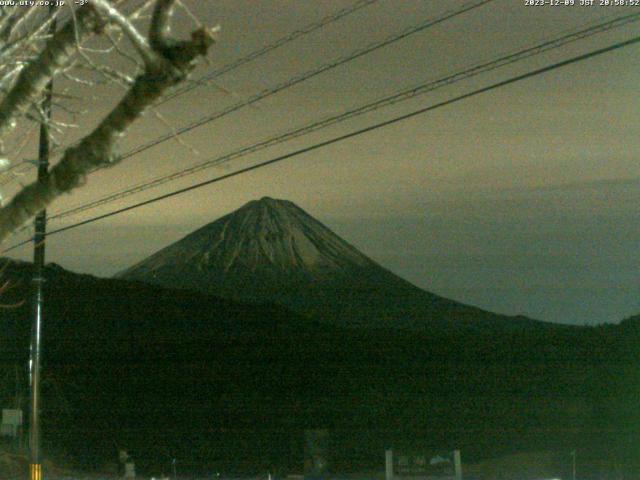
[160, 24]
[139, 41]
[34, 78]
[172, 62]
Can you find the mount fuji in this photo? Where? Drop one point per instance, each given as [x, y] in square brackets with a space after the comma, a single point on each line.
[272, 251]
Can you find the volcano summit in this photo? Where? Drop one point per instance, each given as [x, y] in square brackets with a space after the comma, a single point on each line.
[272, 251]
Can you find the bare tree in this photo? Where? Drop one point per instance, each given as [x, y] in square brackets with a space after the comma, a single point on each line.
[31, 56]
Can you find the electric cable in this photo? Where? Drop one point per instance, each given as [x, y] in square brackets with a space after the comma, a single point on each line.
[346, 136]
[372, 106]
[280, 42]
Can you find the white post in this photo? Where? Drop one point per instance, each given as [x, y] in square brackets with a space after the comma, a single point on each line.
[129, 470]
[457, 463]
[388, 464]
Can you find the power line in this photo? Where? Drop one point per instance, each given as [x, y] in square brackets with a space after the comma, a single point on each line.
[380, 103]
[308, 75]
[264, 50]
[298, 78]
[346, 136]
[282, 41]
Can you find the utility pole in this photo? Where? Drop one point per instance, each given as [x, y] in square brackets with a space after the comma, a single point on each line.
[35, 460]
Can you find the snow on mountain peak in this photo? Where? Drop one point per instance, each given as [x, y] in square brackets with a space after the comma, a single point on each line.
[265, 234]
[271, 250]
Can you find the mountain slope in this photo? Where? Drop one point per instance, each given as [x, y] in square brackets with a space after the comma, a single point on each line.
[273, 251]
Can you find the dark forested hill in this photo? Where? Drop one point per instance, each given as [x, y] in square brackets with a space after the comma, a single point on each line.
[230, 386]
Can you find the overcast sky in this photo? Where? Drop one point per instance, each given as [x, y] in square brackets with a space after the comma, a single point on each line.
[523, 200]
